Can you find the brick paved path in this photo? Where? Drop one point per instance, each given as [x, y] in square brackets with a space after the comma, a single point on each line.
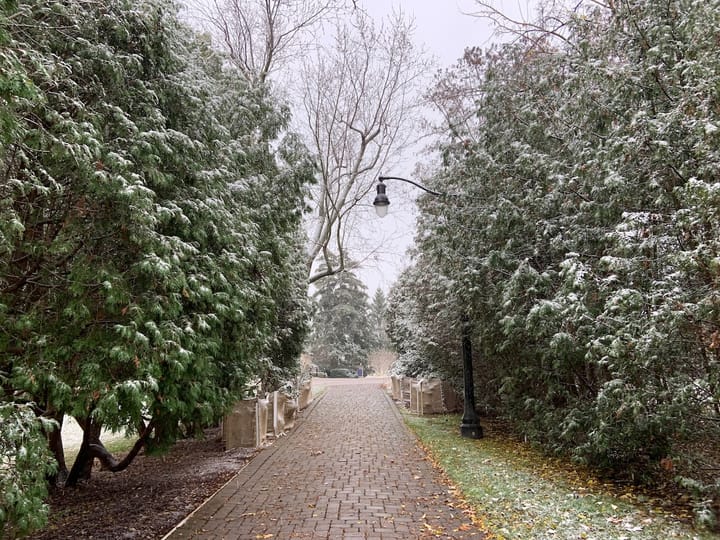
[350, 469]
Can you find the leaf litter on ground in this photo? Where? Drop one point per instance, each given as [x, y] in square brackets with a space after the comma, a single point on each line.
[516, 492]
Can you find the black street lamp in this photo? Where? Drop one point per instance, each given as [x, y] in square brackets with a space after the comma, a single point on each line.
[469, 425]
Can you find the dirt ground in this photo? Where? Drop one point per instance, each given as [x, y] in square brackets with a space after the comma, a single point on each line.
[147, 499]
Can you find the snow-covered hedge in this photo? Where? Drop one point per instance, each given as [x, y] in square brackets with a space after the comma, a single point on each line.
[150, 209]
[580, 230]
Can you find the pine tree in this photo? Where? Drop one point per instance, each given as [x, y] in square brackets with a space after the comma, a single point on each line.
[341, 336]
[378, 309]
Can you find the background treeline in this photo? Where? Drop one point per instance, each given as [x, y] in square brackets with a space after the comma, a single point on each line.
[581, 234]
[151, 253]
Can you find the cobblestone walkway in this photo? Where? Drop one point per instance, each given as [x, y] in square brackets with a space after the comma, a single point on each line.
[350, 469]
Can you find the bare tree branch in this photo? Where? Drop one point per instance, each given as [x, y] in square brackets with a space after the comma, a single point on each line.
[361, 107]
[549, 22]
[264, 35]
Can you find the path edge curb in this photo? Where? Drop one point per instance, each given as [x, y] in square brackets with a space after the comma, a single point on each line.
[263, 453]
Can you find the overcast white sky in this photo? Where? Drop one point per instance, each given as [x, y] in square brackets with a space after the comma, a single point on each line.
[444, 30]
[442, 24]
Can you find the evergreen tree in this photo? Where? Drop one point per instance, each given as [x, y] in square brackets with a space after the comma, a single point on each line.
[24, 456]
[423, 322]
[583, 234]
[378, 309]
[342, 336]
[149, 231]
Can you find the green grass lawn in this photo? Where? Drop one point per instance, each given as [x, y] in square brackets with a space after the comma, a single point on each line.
[518, 493]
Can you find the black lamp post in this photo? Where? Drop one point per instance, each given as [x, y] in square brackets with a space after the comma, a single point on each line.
[469, 425]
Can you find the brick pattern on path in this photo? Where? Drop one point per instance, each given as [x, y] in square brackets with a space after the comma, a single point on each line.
[350, 469]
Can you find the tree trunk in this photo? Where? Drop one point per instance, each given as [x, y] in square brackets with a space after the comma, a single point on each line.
[92, 448]
[82, 468]
[55, 443]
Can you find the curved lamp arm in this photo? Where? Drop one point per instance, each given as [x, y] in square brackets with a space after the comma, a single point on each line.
[382, 202]
[430, 191]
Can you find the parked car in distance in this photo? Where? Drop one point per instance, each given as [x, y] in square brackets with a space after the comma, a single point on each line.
[315, 371]
[339, 373]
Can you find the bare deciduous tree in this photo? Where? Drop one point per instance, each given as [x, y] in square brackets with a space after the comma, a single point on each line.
[358, 96]
[549, 21]
[262, 35]
[361, 100]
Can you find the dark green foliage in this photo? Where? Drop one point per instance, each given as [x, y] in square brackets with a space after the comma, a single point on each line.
[149, 234]
[583, 237]
[377, 319]
[342, 336]
[24, 462]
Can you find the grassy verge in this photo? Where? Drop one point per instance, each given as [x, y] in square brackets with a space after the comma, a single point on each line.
[517, 493]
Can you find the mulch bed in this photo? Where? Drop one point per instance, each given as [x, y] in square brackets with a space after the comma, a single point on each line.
[146, 500]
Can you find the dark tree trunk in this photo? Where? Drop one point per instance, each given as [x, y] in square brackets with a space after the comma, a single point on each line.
[82, 468]
[55, 443]
[92, 448]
